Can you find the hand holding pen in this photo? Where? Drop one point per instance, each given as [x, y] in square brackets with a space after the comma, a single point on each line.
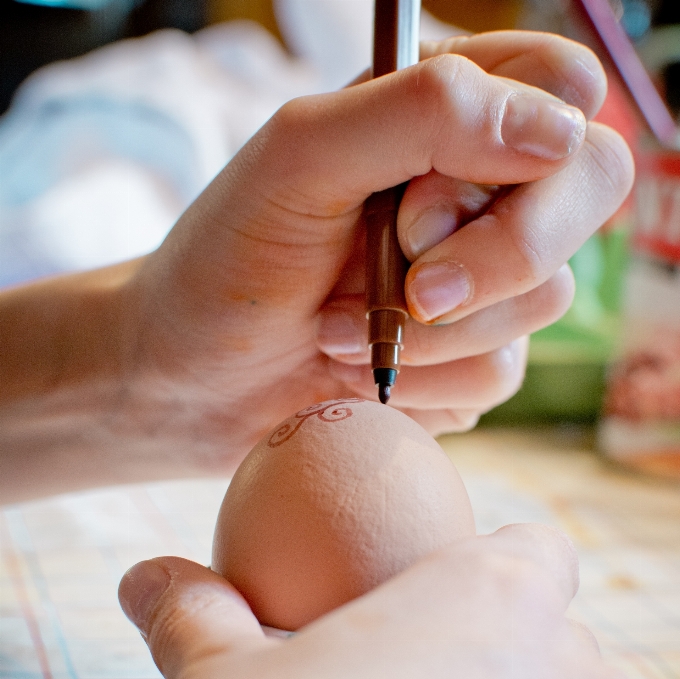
[254, 306]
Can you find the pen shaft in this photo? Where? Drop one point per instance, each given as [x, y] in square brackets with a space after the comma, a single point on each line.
[385, 272]
[396, 35]
[395, 46]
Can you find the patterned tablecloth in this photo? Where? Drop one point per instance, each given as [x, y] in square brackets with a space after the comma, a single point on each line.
[62, 558]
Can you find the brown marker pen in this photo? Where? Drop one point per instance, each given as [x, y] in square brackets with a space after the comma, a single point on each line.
[395, 46]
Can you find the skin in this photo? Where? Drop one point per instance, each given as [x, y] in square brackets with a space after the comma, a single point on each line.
[175, 364]
[489, 607]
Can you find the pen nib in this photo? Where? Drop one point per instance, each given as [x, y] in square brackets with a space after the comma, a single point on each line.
[384, 392]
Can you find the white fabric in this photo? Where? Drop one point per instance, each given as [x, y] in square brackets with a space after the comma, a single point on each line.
[99, 155]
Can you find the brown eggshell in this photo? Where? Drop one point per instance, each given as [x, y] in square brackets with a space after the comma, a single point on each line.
[336, 500]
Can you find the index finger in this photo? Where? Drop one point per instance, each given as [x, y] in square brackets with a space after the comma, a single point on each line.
[445, 113]
[563, 67]
[289, 202]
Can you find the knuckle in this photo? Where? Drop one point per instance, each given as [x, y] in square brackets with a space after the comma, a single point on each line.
[293, 124]
[420, 344]
[533, 247]
[290, 114]
[612, 159]
[529, 245]
[437, 75]
[452, 91]
[165, 634]
[173, 643]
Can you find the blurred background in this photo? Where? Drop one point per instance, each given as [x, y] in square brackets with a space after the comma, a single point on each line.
[36, 32]
[118, 112]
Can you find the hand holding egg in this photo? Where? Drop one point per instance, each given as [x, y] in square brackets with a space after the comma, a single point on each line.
[337, 499]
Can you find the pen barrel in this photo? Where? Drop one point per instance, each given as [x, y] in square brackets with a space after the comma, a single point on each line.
[395, 46]
[387, 325]
[386, 269]
[395, 35]
[385, 337]
[386, 265]
[385, 355]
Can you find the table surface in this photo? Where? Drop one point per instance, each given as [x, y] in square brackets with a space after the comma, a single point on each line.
[62, 558]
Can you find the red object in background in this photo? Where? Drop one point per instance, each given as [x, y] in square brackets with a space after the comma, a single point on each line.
[617, 112]
[657, 223]
[645, 385]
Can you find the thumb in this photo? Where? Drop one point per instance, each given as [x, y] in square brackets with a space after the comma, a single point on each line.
[191, 618]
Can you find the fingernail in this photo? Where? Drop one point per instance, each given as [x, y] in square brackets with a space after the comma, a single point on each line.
[541, 127]
[338, 333]
[430, 229]
[436, 288]
[140, 589]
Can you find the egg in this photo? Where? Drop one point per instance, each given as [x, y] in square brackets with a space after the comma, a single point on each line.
[334, 501]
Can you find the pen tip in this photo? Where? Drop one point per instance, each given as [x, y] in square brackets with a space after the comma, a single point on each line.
[384, 393]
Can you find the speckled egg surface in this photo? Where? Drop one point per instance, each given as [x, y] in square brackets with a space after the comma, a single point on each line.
[334, 501]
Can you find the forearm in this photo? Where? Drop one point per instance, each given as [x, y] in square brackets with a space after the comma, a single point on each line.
[62, 331]
[76, 408]
[61, 375]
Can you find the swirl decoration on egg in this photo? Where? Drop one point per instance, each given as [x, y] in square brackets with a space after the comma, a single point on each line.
[328, 411]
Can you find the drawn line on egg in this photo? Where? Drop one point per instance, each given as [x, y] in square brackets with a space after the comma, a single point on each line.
[285, 432]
